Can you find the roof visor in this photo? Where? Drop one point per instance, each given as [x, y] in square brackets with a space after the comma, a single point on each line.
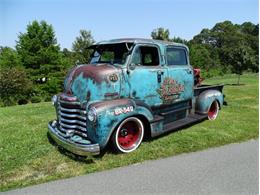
[127, 45]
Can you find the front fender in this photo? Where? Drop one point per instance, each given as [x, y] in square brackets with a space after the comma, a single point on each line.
[206, 98]
[110, 114]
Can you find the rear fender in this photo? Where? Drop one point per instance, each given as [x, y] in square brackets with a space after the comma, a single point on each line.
[110, 114]
[205, 100]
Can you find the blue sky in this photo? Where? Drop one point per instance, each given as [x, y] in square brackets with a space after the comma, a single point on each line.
[121, 18]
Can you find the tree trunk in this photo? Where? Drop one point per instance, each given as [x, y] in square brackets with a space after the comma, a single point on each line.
[238, 79]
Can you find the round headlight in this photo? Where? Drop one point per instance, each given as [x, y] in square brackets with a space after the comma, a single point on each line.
[92, 115]
[54, 99]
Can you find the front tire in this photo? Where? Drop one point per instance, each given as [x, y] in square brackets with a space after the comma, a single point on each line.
[128, 136]
[213, 111]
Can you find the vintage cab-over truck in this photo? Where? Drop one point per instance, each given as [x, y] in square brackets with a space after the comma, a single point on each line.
[130, 89]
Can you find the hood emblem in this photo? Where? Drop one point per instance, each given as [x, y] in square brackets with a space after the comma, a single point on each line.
[113, 77]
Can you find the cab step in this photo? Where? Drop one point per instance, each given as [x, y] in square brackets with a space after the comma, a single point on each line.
[190, 119]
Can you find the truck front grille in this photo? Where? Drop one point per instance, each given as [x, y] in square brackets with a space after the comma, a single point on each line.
[71, 116]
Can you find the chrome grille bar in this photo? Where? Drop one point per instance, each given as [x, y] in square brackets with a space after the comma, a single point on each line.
[73, 110]
[77, 127]
[68, 121]
[71, 116]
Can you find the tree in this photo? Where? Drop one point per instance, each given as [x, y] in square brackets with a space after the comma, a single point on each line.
[179, 40]
[9, 58]
[200, 56]
[38, 46]
[249, 28]
[205, 37]
[80, 45]
[240, 58]
[252, 39]
[234, 46]
[160, 34]
[40, 55]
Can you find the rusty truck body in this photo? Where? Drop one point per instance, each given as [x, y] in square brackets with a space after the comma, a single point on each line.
[130, 89]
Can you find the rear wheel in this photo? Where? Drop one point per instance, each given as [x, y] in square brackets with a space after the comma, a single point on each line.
[128, 136]
[213, 110]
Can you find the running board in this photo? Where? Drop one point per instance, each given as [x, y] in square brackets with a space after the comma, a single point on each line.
[192, 118]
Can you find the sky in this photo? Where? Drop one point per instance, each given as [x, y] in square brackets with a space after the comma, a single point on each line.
[121, 18]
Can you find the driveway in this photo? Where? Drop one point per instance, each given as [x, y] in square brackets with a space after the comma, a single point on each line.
[230, 169]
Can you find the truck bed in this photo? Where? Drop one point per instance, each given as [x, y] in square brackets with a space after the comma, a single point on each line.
[199, 89]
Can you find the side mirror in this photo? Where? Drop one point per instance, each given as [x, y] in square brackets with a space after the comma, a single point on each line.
[132, 66]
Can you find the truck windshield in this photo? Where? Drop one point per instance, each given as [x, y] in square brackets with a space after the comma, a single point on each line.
[111, 53]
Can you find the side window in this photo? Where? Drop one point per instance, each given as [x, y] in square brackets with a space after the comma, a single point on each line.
[146, 56]
[176, 56]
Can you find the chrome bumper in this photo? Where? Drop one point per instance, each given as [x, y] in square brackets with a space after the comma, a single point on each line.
[80, 149]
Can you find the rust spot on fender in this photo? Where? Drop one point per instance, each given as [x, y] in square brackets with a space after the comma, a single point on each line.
[98, 73]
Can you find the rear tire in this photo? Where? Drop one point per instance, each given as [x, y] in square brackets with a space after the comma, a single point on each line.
[128, 136]
[213, 110]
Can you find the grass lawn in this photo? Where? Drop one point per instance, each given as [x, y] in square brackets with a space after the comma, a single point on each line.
[27, 157]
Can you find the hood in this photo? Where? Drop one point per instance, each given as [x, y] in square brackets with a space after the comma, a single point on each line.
[93, 82]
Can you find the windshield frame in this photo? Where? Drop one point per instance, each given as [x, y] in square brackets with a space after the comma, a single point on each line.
[128, 46]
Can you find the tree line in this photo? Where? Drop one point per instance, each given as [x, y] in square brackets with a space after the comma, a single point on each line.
[225, 48]
[35, 69]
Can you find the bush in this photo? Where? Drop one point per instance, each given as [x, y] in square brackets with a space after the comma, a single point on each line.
[8, 101]
[36, 99]
[14, 86]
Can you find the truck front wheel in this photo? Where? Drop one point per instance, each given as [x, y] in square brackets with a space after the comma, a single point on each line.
[213, 110]
[128, 136]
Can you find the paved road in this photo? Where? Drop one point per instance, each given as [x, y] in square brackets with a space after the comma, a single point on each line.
[230, 169]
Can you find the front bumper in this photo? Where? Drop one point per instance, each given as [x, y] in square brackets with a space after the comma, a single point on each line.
[76, 148]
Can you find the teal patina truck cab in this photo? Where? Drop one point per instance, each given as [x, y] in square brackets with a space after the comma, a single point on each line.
[132, 88]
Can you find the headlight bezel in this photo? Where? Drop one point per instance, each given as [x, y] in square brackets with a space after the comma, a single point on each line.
[92, 114]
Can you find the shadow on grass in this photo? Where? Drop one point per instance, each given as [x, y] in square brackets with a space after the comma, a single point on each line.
[82, 159]
[183, 128]
[235, 84]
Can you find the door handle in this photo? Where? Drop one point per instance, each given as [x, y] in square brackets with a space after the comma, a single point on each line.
[159, 76]
[189, 71]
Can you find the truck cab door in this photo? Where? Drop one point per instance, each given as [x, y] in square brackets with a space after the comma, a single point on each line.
[147, 75]
[179, 81]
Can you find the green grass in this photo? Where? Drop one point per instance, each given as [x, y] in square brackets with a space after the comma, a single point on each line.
[27, 157]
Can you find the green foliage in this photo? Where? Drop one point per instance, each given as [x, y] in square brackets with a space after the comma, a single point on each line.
[35, 99]
[80, 45]
[38, 46]
[225, 48]
[179, 40]
[68, 58]
[160, 34]
[201, 56]
[9, 58]
[14, 86]
[230, 47]
[40, 55]
[164, 34]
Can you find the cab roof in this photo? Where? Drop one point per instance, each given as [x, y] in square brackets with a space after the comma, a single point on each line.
[141, 41]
